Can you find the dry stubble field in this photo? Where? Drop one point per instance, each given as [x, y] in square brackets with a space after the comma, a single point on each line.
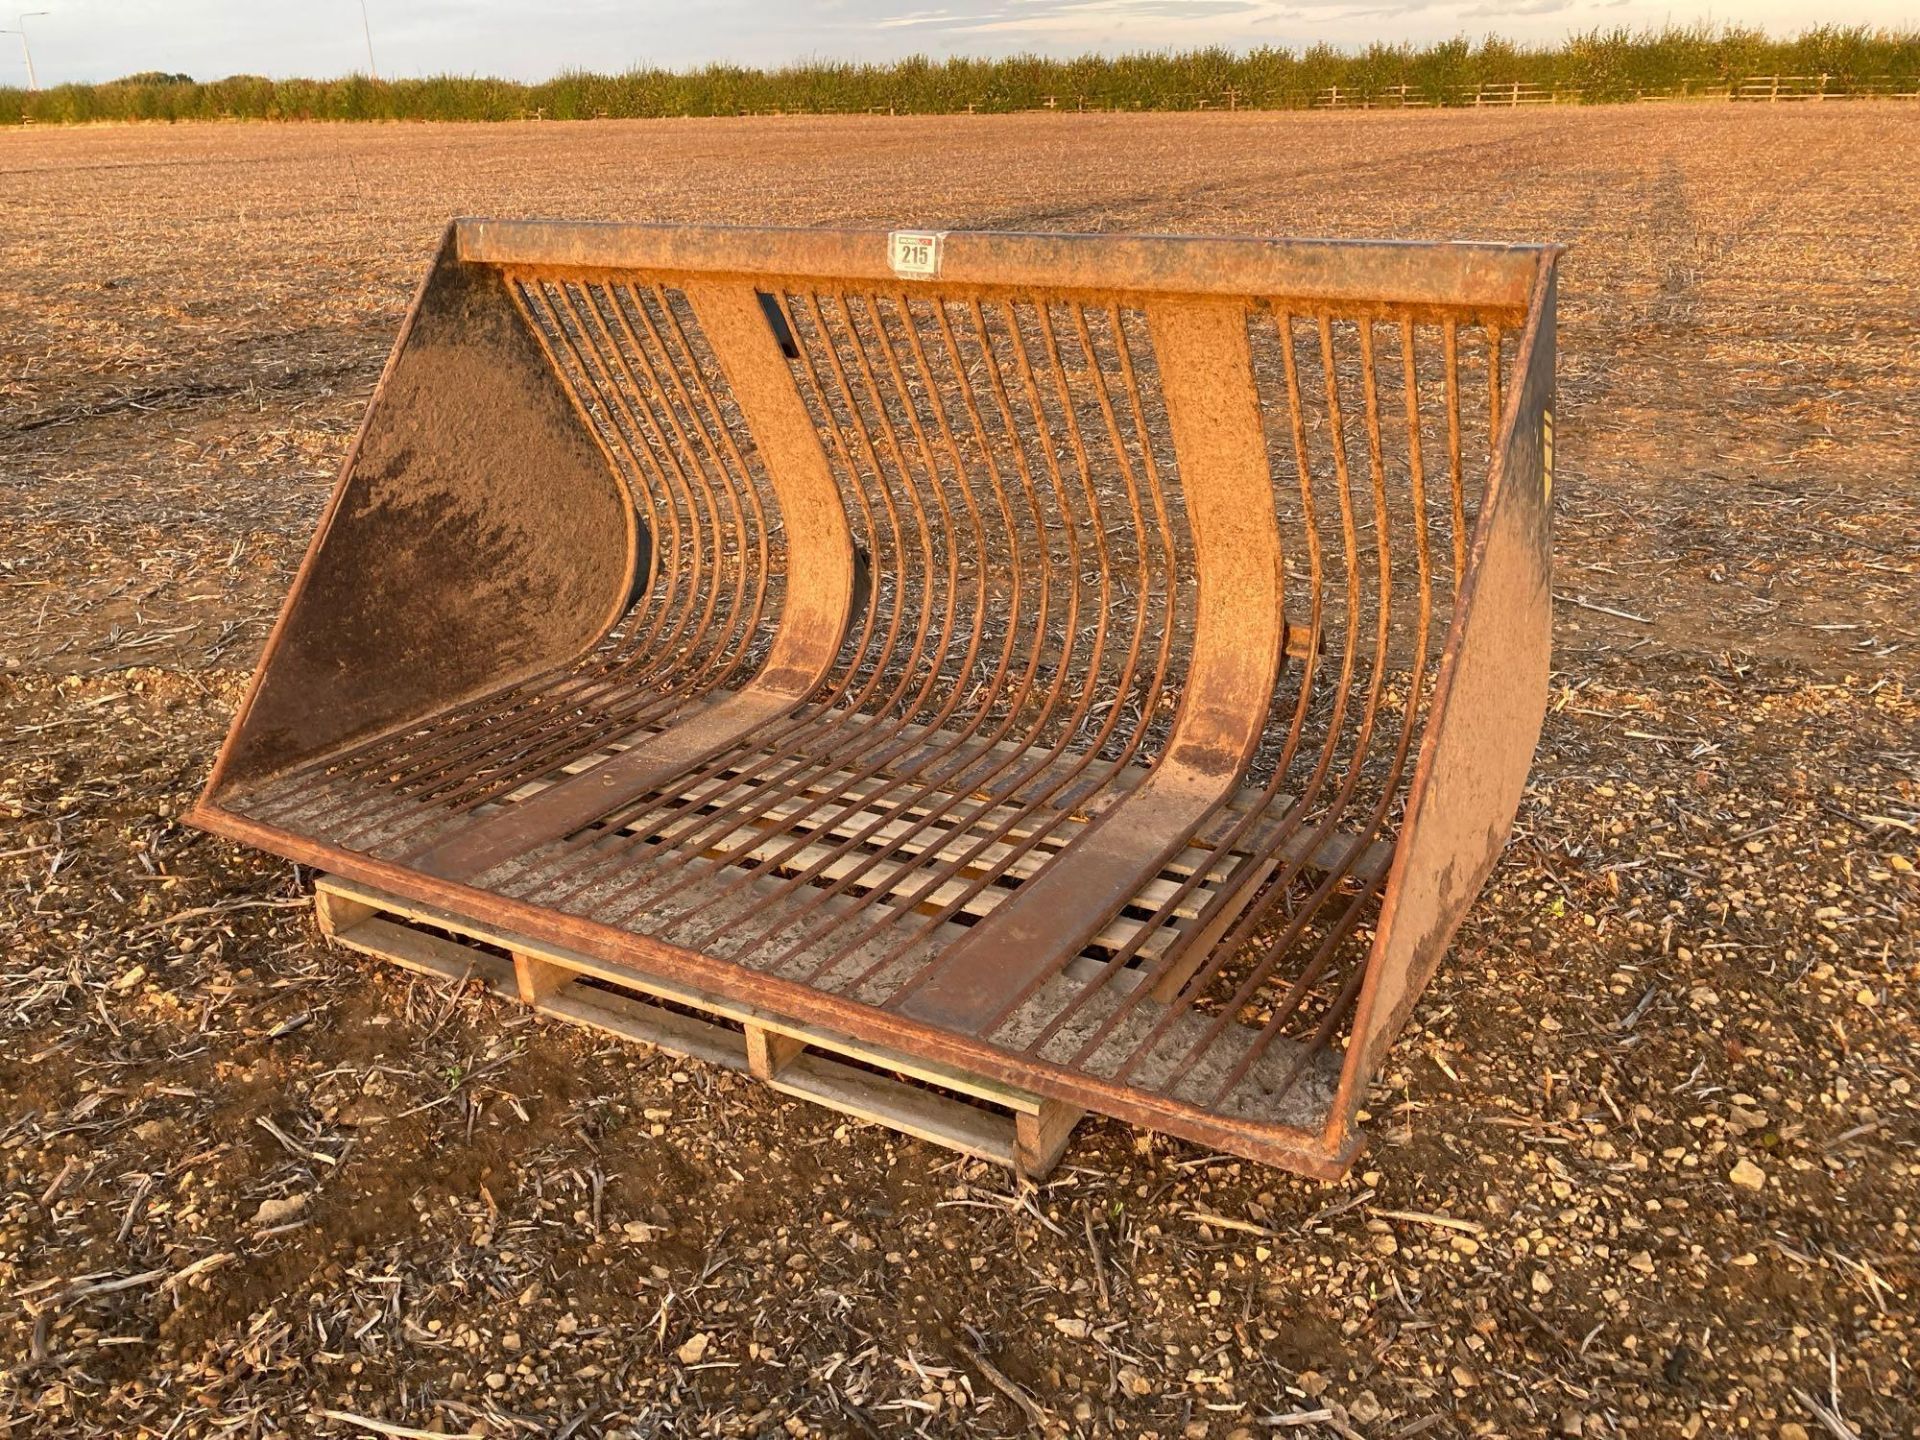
[244, 1180]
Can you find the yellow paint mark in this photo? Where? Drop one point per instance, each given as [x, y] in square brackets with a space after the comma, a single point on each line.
[1546, 455]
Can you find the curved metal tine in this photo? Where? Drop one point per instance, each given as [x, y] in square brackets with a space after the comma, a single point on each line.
[977, 541]
[752, 805]
[952, 800]
[907, 801]
[1125, 683]
[615, 409]
[450, 728]
[657, 656]
[1456, 473]
[1019, 848]
[761, 529]
[880, 744]
[1338, 1008]
[459, 796]
[850, 802]
[998, 793]
[1017, 702]
[684, 683]
[689, 682]
[996, 836]
[1363, 738]
[611, 405]
[1014, 855]
[746, 485]
[1416, 703]
[1255, 813]
[384, 747]
[1359, 904]
[1402, 749]
[1010, 998]
[995, 695]
[813, 716]
[1059, 493]
[1164, 965]
[1229, 684]
[1283, 879]
[987, 701]
[594, 853]
[1495, 410]
[1423, 651]
[818, 717]
[956, 865]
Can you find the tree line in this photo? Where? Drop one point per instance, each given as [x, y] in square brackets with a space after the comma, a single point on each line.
[1595, 67]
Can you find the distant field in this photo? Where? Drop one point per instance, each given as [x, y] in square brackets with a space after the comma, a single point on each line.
[1598, 67]
[244, 1178]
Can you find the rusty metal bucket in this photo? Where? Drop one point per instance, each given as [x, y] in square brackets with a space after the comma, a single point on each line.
[1109, 665]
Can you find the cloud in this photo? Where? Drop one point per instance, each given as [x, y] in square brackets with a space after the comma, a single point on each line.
[920, 17]
[1524, 7]
[1061, 23]
[98, 39]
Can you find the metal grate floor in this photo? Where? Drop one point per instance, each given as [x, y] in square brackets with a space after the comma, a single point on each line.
[858, 880]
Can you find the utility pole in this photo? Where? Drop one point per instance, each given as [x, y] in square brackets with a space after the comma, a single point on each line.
[366, 29]
[33, 82]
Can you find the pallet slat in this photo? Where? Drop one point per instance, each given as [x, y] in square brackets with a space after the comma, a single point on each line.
[933, 1102]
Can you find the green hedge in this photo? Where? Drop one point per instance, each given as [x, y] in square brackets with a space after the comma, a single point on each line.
[1598, 66]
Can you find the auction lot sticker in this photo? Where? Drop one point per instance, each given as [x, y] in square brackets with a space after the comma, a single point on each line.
[915, 254]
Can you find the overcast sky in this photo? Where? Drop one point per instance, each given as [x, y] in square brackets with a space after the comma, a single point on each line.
[101, 39]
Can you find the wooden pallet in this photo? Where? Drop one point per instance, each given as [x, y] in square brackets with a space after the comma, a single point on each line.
[963, 1112]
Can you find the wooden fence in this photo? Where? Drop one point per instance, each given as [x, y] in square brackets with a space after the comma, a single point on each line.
[1770, 89]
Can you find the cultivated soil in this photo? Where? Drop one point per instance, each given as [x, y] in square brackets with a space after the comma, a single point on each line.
[1645, 1164]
